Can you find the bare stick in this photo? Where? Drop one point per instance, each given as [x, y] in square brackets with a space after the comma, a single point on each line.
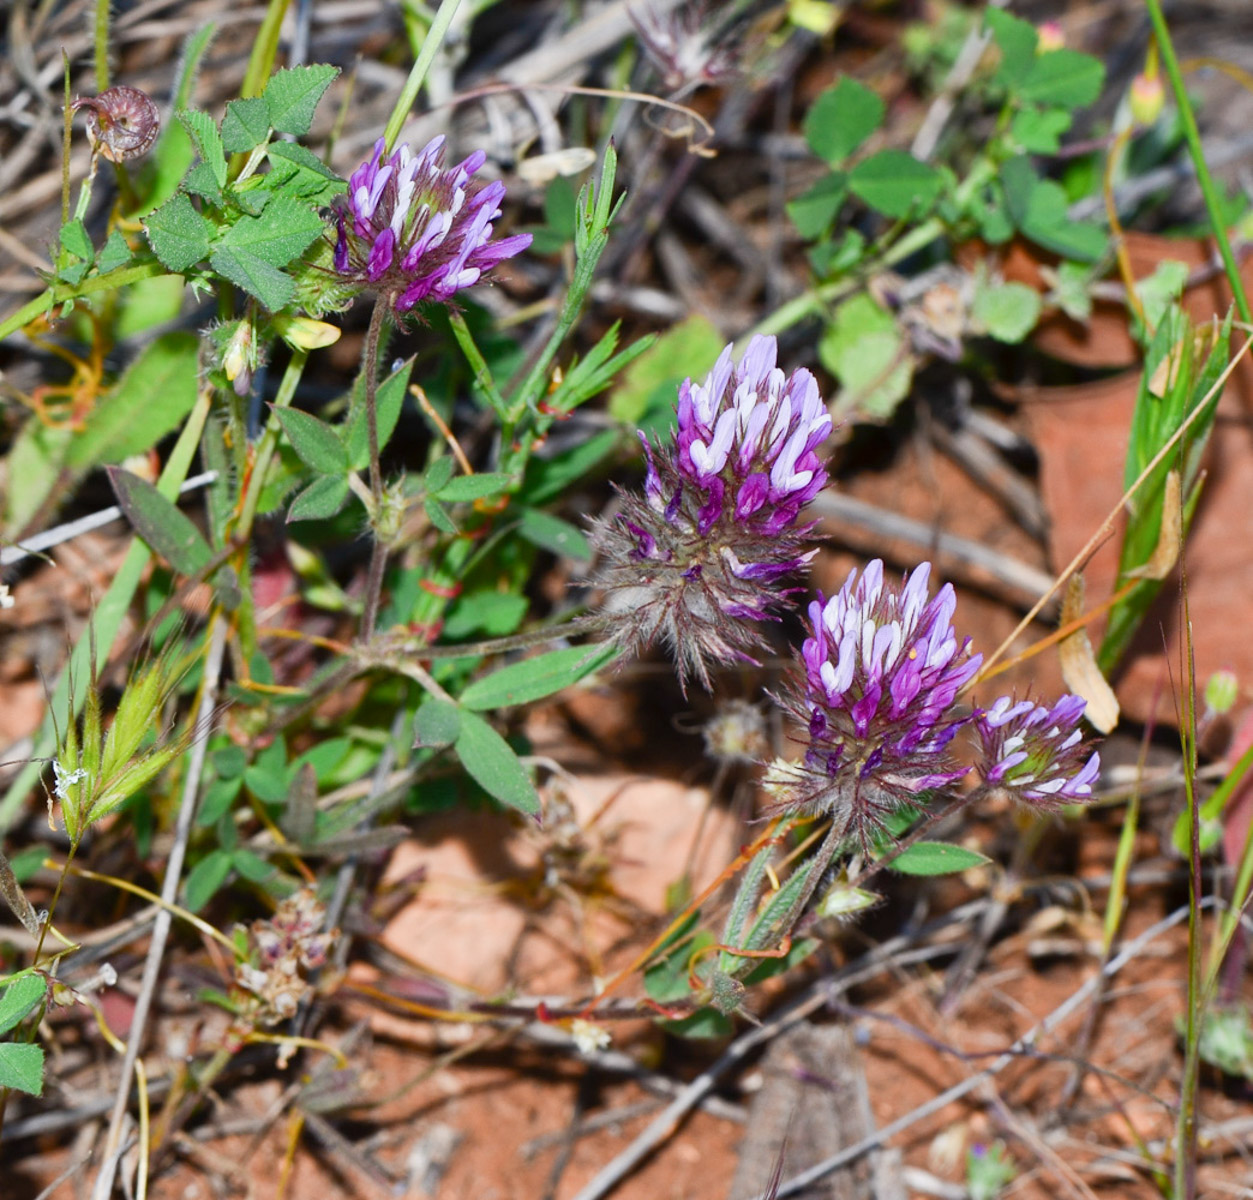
[169, 891]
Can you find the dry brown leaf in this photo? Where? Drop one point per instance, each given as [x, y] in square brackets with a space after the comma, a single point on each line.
[1079, 668]
[1170, 539]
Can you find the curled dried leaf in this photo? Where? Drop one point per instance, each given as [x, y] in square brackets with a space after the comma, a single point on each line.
[122, 122]
[1079, 668]
[1166, 553]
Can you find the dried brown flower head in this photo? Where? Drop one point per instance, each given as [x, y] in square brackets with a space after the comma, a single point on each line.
[122, 122]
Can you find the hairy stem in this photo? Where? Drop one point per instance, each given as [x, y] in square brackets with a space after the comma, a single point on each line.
[378, 552]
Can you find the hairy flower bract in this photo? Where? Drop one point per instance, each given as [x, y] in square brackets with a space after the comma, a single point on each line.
[697, 560]
[416, 230]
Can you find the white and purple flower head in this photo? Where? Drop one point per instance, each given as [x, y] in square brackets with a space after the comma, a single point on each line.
[416, 230]
[876, 688]
[691, 563]
[1037, 754]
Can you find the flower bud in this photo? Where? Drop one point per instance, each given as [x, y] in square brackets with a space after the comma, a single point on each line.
[1147, 98]
[1051, 36]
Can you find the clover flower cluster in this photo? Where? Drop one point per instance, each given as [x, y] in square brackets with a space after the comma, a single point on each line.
[698, 559]
[290, 942]
[415, 230]
[876, 687]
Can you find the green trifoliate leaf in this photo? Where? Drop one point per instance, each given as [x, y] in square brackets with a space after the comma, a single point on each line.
[178, 234]
[895, 183]
[283, 230]
[246, 125]
[841, 119]
[293, 95]
[208, 141]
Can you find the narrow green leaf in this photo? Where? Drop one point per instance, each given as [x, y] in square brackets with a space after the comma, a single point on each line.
[547, 478]
[74, 239]
[251, 866]
[321, 500]
[22, 1067]
[437, 724]
[205, 878]
[491, 763]
[554, 535]
[438, 473]
[246, 125]
[534, 678]
[651, 382]
[166, 530]
[316, 442]
[152, 399]
[841, 119]
[20, 997]
[473, 487]
[293, 93]
[895, 183]
[178, 234]
[389, 399]
[204, 135]
[256, 276]
[936, 858]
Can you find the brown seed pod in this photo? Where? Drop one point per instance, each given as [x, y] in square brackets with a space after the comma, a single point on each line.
[122, 122]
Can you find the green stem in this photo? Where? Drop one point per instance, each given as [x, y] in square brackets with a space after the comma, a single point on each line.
[409, 93]
[1192, 134]
[102, 45]
[269, 442]
[58, 294]
[378, 550]
[812, 302]
[264, 50]
[478, 364]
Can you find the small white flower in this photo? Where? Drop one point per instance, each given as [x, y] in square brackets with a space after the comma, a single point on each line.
[6, 600]
[588, 1037]
[63, 780]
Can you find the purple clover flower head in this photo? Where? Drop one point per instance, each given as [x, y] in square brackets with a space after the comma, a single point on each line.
[696, 561]
[1037, 754]
[415, 230]
[876, 688]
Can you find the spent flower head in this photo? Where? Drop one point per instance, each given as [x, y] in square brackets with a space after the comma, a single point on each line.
[1036, 754]
[415, 230]
[699, 558]
[876, 688]
[683, 46]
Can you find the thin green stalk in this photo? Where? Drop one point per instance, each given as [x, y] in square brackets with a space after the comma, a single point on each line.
[378, 550]
[812, 302]
[269, 442]
[67, 133]
[101, 34]
[478, 364]
[48, 300]
[264, 50]
[1192, 134]
[417, 74]
[1186, 1149]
